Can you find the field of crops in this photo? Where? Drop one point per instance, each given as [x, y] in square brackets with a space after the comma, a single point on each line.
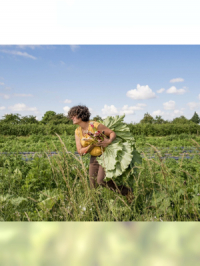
[41, 179]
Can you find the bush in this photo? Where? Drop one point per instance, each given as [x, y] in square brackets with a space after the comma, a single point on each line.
[164, 129]
[29, 129]
[7, 129]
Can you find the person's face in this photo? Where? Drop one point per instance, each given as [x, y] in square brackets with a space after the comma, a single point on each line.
[76, 120]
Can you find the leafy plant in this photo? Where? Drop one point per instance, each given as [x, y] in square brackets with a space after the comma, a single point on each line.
[121, 153]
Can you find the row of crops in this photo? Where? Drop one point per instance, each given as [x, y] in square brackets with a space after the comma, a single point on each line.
[56, 188]
[173, 152]
[172, 144]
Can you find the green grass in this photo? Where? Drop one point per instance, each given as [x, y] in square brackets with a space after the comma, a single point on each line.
[34, 143]
[57, 189]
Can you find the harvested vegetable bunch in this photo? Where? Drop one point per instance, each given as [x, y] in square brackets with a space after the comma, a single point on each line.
[96, 136]
[120, 156]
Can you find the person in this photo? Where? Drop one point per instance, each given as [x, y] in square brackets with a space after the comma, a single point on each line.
[80, 115]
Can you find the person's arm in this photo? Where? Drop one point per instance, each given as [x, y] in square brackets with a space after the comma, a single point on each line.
[82, 150]
[109, 133]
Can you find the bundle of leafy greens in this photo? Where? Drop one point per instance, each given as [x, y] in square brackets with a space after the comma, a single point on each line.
[121, 155]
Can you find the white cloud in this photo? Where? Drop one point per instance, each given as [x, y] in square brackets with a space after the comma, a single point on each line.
[8, 96]
[91, 111]
[20, 107]
[24, 54]
[176, 80]
[130, 109]
[161, 90]
[173, 114]
[62, 63]
[109, 110]
[178, 112]
[174, 90]
[67, 101]
[127, 110]
[22, 95]
[169, 105]
[193, 105]
[2, 107]
[66, 109]
[157, 113]
[199, 96]
[1, 83]
[141, 104]
[141, 93]
[74, 47]
[5, 96]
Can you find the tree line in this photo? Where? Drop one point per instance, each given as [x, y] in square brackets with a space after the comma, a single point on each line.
[51, 123]
[148, 119]
[50, 117]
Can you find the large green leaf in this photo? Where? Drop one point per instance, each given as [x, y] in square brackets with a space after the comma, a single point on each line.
[52, 197]
[136, 158]
[4, 198]
[109, 158]
[121, 154]
[112, 122]
[116, 172]
[48, 203]
[121, 129]
[17, 201]
[124, 157]
[125, 135]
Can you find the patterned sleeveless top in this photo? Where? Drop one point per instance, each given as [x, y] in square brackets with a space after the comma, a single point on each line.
[96, 151]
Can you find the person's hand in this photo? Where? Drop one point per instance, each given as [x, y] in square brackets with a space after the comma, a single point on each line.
[103, 143]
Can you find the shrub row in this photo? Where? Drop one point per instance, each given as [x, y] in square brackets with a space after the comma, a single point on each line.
[164, 129]
[138, 129]
[29, 129]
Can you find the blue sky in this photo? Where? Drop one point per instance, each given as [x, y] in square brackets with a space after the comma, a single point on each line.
[109, 79]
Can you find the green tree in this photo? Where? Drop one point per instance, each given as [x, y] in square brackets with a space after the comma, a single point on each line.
[97, 118]
[11, 119]
[180, 120]
[60, 119]
[159, 120]
[29, 119]
[147, 119]
[195, 118]
[47, 117]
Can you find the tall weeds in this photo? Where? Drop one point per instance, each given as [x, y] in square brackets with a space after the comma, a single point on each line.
[57, 189]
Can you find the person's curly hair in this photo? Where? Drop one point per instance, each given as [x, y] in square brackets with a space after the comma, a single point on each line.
[81, 111]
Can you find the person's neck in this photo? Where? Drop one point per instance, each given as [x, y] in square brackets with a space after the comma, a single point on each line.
[84, 125]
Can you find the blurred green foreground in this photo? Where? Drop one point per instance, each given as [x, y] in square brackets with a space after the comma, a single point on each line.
[157, 244]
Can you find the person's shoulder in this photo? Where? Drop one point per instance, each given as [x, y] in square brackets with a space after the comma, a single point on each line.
[77, 130]
[95, 123]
